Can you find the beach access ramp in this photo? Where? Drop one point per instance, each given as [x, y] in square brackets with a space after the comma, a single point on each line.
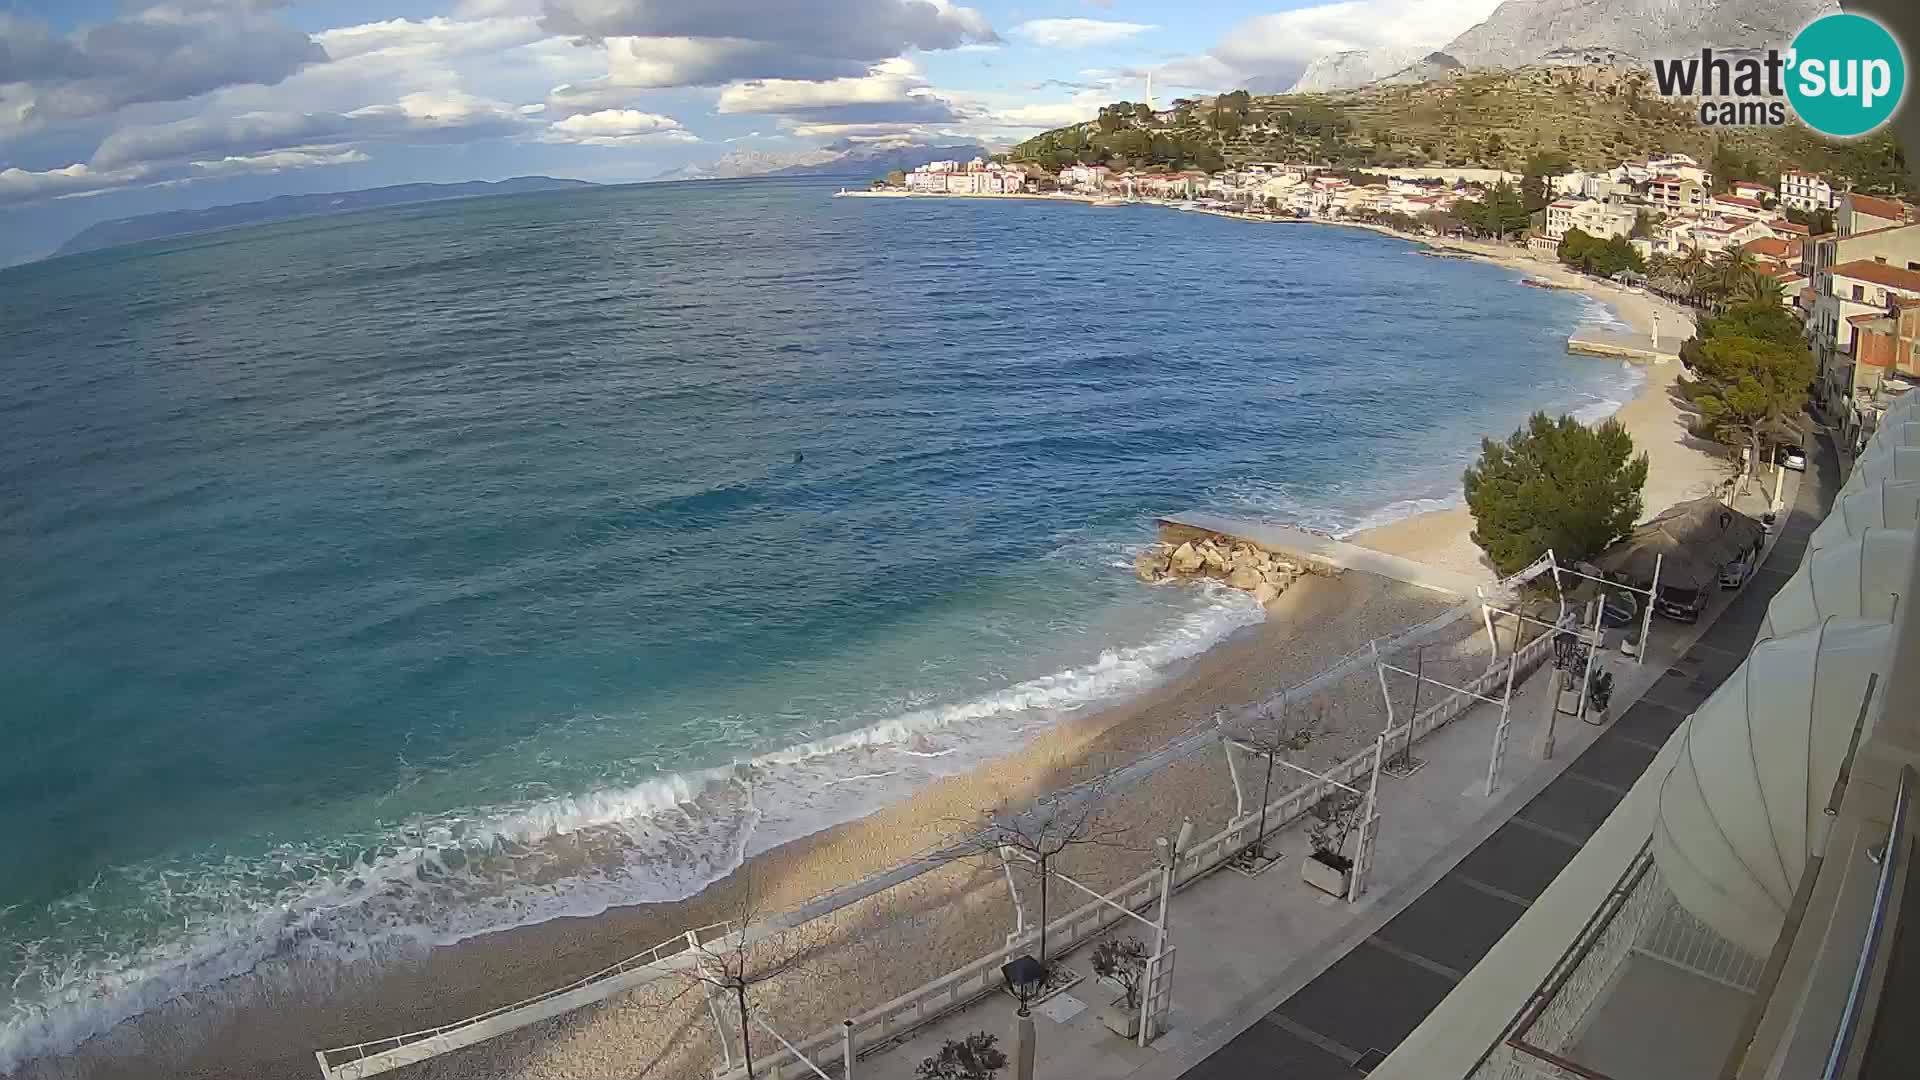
[1325, 551]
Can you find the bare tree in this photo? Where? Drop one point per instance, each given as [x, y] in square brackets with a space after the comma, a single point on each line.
[1267, 732]
[1043, 831]
[740, 961]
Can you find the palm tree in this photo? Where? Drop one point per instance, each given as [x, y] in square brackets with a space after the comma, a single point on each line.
[1755, 287]
[1730, 268]
[1692, 267]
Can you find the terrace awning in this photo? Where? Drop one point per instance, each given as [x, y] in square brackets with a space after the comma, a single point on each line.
[1743, 804]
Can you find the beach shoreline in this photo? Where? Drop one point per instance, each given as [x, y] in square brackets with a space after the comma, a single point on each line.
[273, 1026]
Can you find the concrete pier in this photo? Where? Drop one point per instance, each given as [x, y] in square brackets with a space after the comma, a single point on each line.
[1624, 345]
[1323, 551]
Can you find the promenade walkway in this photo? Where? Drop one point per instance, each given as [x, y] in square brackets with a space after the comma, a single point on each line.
[1345, 1019]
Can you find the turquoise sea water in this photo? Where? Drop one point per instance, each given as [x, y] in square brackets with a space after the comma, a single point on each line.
[423, 572]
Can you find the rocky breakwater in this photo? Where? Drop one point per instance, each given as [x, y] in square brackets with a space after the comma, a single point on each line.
[1236, 563]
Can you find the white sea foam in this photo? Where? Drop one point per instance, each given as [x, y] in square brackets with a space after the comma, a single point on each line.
[441, 880]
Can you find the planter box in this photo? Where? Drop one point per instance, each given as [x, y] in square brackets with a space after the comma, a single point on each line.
[1331, 874]
[1121, 1019]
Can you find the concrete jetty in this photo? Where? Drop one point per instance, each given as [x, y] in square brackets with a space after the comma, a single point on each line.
[1321, 550]
[1624, 345]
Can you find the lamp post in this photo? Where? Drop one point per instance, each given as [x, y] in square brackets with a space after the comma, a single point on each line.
[1025, 976]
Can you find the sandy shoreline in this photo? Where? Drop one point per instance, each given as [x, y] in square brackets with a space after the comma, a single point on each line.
[268, 1024]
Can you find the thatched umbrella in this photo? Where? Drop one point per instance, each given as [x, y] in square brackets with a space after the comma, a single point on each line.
[1691, 542]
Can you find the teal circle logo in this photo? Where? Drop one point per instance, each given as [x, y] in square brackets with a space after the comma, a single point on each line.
[1846, 75]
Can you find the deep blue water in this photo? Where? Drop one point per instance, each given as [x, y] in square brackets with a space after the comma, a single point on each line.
[420, 572]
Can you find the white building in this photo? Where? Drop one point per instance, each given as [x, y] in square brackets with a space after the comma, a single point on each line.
[1598, 219]
[1806, 191]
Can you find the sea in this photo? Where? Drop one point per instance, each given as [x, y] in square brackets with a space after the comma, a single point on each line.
[392, 578]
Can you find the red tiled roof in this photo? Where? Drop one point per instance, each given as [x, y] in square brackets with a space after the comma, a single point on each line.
[1865, 318]
[1770, 246]
[1890, 209]
[1893, 277]
[1783, 225]
[1739, 200]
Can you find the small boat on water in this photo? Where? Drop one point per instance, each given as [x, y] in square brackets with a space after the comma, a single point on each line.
[1108, 202]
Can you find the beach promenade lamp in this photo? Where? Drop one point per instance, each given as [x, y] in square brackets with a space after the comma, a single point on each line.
[1025, 978]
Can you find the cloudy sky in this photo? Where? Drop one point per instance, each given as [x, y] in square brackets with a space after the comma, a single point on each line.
[116, 107]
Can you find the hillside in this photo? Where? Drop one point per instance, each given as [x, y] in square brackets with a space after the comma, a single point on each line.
[132, 230]
[1595, 115]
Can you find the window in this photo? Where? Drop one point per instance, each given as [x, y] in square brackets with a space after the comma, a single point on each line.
[1881, 259]
[1859, 292]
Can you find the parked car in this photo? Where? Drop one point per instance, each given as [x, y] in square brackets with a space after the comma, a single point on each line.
[1681, 605]
[1792, 457]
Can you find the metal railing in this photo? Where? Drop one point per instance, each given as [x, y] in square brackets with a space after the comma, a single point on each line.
[380, 1055]
[1892, 860]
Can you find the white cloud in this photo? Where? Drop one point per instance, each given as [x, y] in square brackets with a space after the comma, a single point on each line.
[1276, 47]
[1079, 33]
[21, 185]
[618, 127]
[439, 33]
[1045, 116]
[893, 81]
[276, 161]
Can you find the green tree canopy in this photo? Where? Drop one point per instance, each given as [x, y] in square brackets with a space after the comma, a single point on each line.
[1602, 257]
[1748, 374]
[1554, 484]
[1499, 213]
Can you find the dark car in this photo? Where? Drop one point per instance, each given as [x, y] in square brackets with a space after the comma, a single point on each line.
[1681, 605]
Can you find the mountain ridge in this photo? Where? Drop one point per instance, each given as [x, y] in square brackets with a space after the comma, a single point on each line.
[864, 160]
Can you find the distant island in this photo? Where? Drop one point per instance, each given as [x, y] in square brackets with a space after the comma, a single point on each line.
[132, 230]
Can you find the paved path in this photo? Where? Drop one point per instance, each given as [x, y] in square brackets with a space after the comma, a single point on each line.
[1333, 552]
[1347, 1019]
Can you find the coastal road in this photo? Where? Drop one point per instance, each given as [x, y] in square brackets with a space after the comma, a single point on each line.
[1354, 1013]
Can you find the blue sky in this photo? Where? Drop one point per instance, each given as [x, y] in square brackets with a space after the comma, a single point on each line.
[116, 107]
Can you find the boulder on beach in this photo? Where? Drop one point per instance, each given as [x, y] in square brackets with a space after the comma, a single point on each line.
[1245, 577]
[1186, 559]
[1266, 593]
[1215, 559]
[1151, 564]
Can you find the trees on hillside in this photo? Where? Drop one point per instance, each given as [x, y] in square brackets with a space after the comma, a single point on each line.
[1748, 372]
[1603, 258]
[1554, 484]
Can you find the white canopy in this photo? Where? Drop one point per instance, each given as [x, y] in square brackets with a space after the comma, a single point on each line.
[1883, 463]
[1858, 578]
[1742, 804]
[1886, 504]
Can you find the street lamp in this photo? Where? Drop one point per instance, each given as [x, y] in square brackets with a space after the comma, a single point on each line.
[1025, 978]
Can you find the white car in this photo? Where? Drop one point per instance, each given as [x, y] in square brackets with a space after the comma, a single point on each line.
[1792, 457]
